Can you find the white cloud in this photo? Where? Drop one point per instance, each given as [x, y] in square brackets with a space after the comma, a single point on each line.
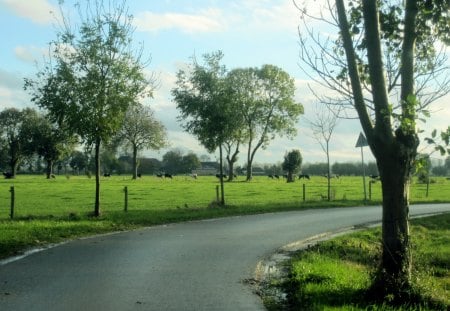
[30, 54]
[208, 20]
[268, 16]
[38, 11]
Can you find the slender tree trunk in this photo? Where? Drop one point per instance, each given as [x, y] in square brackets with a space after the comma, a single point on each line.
[249, 161]
[49, 169]
[97, 178]
[329, 172]
[135, 164]
[222, 194]
[231, 160]
[230, 169]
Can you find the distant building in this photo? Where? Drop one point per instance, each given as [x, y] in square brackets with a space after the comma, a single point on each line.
[207, 168]
[257, 171]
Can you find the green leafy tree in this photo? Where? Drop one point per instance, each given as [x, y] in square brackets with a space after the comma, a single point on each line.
[78, 161]
[95, 77]
[190, 162]
[292, 164]
[203, 99]
[264, 98]
[15, 136]
[141, 130]
[48, 141]
[172, 161]
[385, 66]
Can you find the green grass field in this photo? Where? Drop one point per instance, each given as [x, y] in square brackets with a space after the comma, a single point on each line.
[336, 274]
[37, 197]
[50, 211]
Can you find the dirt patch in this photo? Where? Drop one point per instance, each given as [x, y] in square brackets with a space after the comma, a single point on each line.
[271, 277]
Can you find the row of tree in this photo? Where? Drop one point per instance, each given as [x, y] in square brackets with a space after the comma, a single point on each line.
[28, 134]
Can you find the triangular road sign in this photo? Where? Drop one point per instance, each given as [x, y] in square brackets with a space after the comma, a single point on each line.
[362, 141]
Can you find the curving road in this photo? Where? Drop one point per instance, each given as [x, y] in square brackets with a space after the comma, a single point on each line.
[196, 265]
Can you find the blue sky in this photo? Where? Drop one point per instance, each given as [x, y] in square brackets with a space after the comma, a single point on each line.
[249, 32]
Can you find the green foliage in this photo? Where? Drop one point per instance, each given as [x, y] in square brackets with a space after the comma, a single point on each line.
[441, 143]
[203, 100]
[292, 163]
[265, 100]
[16, 128]
[94, 76]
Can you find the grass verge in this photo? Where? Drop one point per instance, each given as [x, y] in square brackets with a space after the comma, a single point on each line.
[336, 274]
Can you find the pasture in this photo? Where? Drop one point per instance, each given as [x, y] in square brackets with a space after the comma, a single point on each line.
[54, 210]
[73, 196]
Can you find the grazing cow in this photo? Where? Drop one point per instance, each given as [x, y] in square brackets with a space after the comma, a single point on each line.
[270, 176]
[331, 176]
[139, 175]
[374, 177]
[223, 176]
[107, 175]
[167, 175]
[305, 176]
[52, 176]
[276, 176]
[7, 175]
[194, 176]
[160, 175]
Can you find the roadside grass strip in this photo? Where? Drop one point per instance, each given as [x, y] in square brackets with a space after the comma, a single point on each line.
[336, 274]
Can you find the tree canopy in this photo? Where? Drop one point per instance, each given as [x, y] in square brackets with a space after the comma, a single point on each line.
[94, 77]
[140, 130]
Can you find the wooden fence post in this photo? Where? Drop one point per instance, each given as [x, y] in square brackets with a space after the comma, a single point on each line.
[304, 192]
[11, 215]
[126, 198]
[217, 194]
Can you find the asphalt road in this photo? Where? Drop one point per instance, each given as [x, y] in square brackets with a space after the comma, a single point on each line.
[197, 265]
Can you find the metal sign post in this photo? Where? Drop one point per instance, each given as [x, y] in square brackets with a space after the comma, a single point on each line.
[362, 142]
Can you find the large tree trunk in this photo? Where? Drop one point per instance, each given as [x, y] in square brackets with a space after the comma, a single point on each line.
[230, 169]
[135, 164]
[290, 176]
[14, 165]
[394, 153]
[395, 270]
[49, 169]
[97, 178]
[231, 159]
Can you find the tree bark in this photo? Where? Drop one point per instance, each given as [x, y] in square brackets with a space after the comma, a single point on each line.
[394, 151]
[290, 176]
[97, 178]
[49, 169]
[222, 194]
[395, 270]
[135, 164]
[329, 171]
